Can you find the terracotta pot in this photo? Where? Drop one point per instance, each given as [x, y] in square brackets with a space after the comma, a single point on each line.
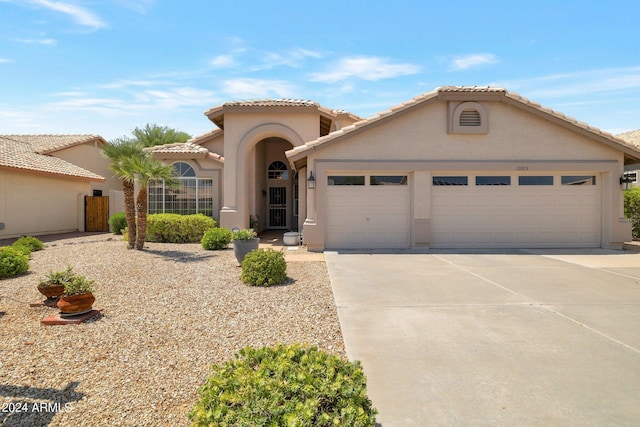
[76, 304]
[51, 291]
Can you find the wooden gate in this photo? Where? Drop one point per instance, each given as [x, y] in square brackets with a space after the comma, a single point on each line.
[96, 213]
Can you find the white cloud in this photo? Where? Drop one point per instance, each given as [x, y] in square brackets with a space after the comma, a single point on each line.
[223, 61]
[140, 6]
[48, 42]
[257, 88]
[5, 60]
[365, 68]
[79, 14]
[474, 60]
[291, 58]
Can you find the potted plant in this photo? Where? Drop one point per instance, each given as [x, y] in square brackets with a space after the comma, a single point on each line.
[77, 297]
[52, 286]
[244, 241]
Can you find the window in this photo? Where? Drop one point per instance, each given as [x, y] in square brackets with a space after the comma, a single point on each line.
[388, 180]
[191, 195]
[535, 180]
[450, 180]
[493, 180]
[345, 180]
[578, 180]
[278, 170]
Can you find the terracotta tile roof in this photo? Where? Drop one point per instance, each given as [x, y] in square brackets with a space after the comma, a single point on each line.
[45, 144]
[18, 154]
[444, 91]
[188, 147]
[272, 103]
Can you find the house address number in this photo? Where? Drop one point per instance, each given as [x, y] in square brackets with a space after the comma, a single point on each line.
[522, 168]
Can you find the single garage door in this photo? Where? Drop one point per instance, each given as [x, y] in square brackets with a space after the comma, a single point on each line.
[367, 211]
[515, 211]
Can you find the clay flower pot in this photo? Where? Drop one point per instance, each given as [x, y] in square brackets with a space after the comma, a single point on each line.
[51, 291]
[76, 304]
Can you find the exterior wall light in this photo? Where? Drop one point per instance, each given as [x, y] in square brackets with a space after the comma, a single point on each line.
[625, 181]
[311, 181]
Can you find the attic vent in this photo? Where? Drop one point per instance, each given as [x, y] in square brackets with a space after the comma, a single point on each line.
[470, 118]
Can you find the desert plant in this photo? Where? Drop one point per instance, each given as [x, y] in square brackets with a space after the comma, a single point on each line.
[33, 243]
[244, 234]
[12, 262]
[264, 267]
[58, 277]
[78, 285]
[174, 228]
[118, 222]
[216, 238]
[286, 385]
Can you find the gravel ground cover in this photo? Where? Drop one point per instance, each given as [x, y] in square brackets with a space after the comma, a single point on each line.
[169, 312]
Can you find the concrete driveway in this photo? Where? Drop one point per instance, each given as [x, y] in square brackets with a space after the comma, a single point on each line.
[517, 338]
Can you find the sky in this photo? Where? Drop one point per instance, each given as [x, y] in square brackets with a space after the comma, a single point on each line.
[107, 66]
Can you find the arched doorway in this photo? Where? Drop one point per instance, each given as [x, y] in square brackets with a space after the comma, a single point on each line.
[276, 186]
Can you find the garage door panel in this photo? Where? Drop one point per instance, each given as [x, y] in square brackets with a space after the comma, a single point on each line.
[367, 216]
[516, 216]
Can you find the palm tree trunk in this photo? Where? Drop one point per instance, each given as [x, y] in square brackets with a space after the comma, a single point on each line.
[130, 211]
[141, 207]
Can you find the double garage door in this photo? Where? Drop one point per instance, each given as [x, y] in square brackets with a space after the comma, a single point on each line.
[467, 211]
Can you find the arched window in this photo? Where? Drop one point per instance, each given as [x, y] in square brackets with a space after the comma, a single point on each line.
[184, 170]
[277, 170]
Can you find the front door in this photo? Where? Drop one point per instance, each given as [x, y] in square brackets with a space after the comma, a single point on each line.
[277, 207]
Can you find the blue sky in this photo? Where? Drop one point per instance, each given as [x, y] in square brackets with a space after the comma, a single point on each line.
[107, 66]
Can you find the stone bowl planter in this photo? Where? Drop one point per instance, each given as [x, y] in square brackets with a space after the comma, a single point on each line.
[243, 247]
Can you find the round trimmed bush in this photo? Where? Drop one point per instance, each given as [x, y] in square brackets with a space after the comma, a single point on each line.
[216, 238]
[118, 222]
[12, 262]
[286, 385]
[33, 243]
[264, 267]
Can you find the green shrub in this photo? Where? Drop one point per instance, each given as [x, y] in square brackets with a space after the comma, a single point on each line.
[118, 222]
[216, 238]
[264, 267]
[24, 250]
[284, 386]
[174, 228]
[12, 262]
[244, 234]
[34, 244]
[632, 210]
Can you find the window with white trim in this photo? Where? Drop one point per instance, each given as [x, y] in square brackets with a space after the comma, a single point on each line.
[191, 195]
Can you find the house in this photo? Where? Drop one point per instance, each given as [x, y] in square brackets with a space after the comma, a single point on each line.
[43, 181]
[458, 167]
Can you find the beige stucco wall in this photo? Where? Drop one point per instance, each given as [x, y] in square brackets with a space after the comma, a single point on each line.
[242, 131]
[417, 143]
[89, 156]
[39, 204]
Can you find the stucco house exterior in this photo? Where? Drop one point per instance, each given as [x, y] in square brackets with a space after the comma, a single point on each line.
[458, 167]
[43, 181]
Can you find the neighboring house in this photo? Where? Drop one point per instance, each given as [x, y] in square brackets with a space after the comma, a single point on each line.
[458, 167]
[43, 181]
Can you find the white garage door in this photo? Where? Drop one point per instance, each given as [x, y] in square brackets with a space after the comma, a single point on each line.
[367, 211]
[512, 211]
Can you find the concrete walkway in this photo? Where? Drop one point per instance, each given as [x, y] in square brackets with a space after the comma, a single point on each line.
[521, 338]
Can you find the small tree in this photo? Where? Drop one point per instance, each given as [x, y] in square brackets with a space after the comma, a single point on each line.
[146, 170]
[632, 210]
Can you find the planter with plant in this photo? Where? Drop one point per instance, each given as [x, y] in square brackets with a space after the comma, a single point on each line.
[52, 286]
[78, 296]
[244, 241]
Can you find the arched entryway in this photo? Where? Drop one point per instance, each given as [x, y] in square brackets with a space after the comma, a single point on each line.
[276, 195]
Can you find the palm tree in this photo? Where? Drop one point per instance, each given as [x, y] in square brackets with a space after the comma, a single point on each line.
[120, 151]
[147, 170]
